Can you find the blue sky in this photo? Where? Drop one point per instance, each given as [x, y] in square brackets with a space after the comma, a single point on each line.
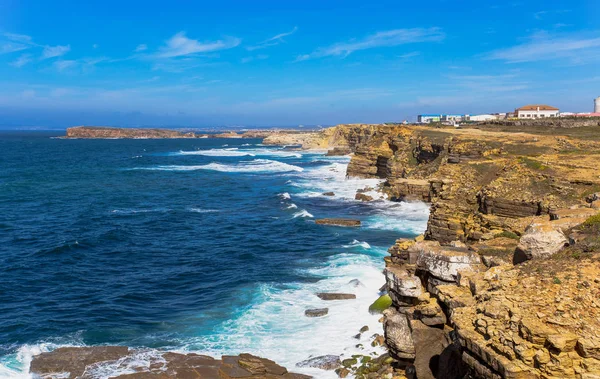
[280, 63]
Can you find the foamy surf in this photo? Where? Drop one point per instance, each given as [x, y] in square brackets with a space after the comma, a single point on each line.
[275, 326]
[235, 152]
[303, 213]
[254, 166]
[357, 243]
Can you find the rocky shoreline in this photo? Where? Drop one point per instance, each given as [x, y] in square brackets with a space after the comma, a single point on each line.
[505, 282]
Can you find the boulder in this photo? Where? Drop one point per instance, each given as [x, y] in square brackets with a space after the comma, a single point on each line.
[398, 336]
[328, 296]
[317, 312]
[328, 194]
[338, 222]
[325, 362]
[363, 197]
[540, 241]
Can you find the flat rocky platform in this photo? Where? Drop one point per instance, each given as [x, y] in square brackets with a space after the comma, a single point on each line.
[87, 362]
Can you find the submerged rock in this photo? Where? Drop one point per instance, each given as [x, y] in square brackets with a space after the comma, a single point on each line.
[328, 193]
[338, 222]
[335, 296]
[317, 312]
[325, 362]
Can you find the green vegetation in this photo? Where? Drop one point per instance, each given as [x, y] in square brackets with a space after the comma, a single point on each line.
[509, 234]
[556, 280]
[532, 164]
[593, 221]
[381, 304]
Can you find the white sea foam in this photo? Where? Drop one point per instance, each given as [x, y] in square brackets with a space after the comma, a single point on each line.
[130, 211]
[285, 196]
[303, 213]
[16, 366]
[355, 243]
[292, 206]
[201, 210]
[254, 166]
[217, 153]
[235, 152]
[332, 178]
[275, 326]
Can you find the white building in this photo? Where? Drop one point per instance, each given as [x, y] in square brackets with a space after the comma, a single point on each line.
[428, 118]
[482, 117]
[537, 111]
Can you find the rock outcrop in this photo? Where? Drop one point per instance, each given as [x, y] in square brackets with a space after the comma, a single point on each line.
[92, 132]
[88, 362]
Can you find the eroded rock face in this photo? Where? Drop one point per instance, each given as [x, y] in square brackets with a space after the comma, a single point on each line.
[398, 335]
[89, 362]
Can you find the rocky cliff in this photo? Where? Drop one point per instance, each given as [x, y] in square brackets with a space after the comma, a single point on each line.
[505, 282]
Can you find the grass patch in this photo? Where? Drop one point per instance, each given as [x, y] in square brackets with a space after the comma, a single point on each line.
[593, 221]
[509, 234]
[532, 164]
[555, 280]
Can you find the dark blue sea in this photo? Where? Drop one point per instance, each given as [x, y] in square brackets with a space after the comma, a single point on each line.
[205, 245]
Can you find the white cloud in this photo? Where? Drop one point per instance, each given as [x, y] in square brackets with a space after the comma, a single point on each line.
[55, 51]
[22, 38]
[141, 47]
[62, 65]
[11, 47]
[542, 46]
[273, 41]
[380, 39]
[21, 61]
[180, 45]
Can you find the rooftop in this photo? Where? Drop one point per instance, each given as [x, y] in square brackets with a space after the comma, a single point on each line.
[534, 107]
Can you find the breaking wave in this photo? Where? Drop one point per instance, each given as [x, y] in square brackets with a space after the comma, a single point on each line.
[256, 165]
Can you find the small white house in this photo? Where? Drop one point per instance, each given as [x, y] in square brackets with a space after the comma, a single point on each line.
[537, 111]
[482, 117]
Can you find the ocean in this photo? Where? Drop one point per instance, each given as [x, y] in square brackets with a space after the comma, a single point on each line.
[203, 245]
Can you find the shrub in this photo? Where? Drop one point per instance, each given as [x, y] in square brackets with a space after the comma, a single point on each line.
[593, 221]
[509, 234]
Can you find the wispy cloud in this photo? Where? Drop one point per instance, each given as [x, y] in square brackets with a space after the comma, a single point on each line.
[11, 47]
[541, 14]
[15, 42]
[55, 51]
[387, 38]
[22, 60]
[543, 46]
[62, 65]
[180, 45]
[141, 47]
[273, 41]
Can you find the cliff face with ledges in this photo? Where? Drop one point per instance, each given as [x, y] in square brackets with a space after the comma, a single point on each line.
[491, 290]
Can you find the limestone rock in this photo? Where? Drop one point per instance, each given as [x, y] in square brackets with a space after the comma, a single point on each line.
[398, 335]
[338, 222]
[317, 312]
[445, 262]
[328, 296]
[540, 241]
[325, 362]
